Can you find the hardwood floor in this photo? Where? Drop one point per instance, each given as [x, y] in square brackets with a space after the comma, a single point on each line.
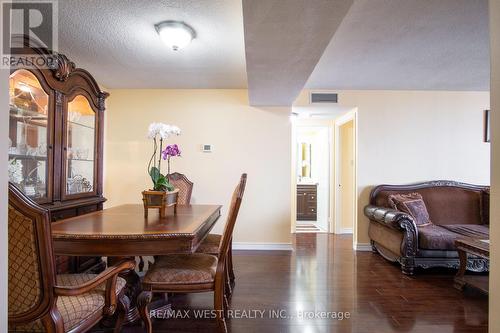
[324, 275]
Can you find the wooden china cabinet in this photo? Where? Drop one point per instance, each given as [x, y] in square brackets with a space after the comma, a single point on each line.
[56, 141]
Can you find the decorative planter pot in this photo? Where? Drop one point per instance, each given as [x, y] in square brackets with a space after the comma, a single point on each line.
[160, 200]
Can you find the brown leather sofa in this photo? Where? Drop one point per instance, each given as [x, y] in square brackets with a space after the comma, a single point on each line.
[456, 210]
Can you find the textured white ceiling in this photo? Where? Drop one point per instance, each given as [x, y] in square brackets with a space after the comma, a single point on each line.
[284, 39]
[116, 41]
[380, 44]
[408, 44]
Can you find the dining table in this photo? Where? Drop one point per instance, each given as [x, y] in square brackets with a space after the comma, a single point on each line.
[124, 232]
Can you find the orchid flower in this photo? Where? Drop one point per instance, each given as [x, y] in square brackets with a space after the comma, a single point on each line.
[171, 151]
[163, 132]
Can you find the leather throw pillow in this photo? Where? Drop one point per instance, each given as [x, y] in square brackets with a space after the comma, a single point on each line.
[412, 204]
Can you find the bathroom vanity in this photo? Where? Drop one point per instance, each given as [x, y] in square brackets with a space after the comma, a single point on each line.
[307, 202]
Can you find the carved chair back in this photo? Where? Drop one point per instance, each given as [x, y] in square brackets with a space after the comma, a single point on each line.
[31, 259]
[234, 208]
[184, 185]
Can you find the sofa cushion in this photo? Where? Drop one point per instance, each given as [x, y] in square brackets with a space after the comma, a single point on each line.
[478, 231]
[434, 237]
[412, 204]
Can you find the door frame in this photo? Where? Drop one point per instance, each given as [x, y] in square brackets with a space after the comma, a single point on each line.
[336, 225]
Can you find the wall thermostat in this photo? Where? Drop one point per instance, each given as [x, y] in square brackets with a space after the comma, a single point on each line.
[207, 148]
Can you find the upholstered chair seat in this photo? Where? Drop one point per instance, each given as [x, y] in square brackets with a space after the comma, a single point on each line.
[210, 244]
[182, 269]
[75, 310]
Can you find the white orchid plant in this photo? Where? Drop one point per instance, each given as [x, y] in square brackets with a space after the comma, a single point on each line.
[160, 132]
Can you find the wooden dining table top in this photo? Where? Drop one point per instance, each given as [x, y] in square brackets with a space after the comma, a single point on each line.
[124, 231]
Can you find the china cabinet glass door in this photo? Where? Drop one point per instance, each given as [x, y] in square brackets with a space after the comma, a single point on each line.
[80, 147]
[29, 135]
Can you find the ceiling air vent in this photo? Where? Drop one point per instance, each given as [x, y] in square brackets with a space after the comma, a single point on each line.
[324, 98]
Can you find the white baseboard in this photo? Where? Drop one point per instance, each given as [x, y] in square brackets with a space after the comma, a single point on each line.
[263, 246]
[363, 247]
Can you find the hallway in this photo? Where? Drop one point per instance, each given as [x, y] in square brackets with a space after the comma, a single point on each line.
[325, 277]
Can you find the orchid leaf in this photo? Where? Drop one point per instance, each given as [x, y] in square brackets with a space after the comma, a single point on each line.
[170, 187]
[162, 184]
[154, 172]
[162, 181]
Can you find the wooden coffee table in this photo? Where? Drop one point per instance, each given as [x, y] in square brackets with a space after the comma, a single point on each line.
[480, 248]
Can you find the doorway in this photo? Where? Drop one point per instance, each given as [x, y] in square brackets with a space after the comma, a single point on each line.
[325, 140]
[313, 155]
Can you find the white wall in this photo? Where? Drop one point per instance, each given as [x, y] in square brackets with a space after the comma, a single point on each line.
[245, 139]
[4, 128]
[494, 308]
[412, 136]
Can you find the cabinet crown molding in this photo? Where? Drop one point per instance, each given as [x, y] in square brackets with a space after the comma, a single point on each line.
[62, 66]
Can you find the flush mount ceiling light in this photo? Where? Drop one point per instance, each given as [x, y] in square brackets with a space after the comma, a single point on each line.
[175, 34]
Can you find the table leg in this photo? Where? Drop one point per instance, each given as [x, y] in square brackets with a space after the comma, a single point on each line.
[459, 282]
[132, 289]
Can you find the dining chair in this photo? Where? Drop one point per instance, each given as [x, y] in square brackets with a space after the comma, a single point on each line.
[194, 273]
[211, 243]
[41, 301]
[184, 185]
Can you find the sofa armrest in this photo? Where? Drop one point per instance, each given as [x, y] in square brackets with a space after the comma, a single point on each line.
[397, 220]
[389, 217]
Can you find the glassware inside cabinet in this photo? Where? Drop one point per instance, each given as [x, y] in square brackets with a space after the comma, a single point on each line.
[28, 135]
[81, 124]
